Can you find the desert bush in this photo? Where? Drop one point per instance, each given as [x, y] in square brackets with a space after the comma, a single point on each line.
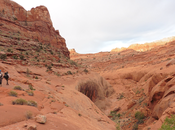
[49, 68]
[30, 93]
[21, 57]
[72, 62]
[31, 87]
[86, 71]
[1, 104]
[69, 72]
[32, 103]
[17, 88]
[3, 56]
[29, 115]
[169, 123]
[15, 57]
[139, 115]
[9, 50]
[13, 93]
[19, 101]
[135, 126]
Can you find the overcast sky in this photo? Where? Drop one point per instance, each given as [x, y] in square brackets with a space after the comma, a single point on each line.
[92, 26]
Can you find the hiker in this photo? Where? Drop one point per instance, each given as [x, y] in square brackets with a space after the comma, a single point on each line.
[6, 76]
[1, 77]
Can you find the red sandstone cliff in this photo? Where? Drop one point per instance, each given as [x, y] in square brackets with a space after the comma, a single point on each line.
[29, 25]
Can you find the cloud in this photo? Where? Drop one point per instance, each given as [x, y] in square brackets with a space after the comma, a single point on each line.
[98, 25]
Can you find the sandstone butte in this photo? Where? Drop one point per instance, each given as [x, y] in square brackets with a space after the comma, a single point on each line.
[101, 91]
[31, 25]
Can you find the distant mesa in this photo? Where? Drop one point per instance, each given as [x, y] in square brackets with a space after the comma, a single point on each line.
[145, 46]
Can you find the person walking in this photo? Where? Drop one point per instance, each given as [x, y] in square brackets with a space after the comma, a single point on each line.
[1, 77]
[6, 76]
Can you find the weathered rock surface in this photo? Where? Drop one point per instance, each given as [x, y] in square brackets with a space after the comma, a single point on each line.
[41, 119]
[35, 24]
[145, 46]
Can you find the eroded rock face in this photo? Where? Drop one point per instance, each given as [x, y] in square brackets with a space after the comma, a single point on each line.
[162, 96]
[34, 25]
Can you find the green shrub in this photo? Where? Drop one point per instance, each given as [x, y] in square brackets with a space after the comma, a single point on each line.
[49, 68]
[30, 93]
[72, 62]
[135, 126]
[29, 115]
[21, 57]
[9, 50]
[69, 72]
[169, 123]
[139, 115]
[31, 87]
[1, 104]
[15, 57]
[32, 103]
[17, 88]
[86, 71]
[3, 56]
[19, 101]
[13, 93]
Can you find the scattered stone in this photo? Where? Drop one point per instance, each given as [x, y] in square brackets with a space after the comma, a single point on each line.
[117, 109]
[41, 119]
[131, 104]
[31, 127]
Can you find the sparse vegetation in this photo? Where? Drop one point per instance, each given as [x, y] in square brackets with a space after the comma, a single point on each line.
[85, 70]
[17, 88]
[49, 68]
[31, 87]
[169, 123]
[15, 57]
[19, 101]
[114, 115]
[1, 104]
[30, 93]
[32, 103]
[139, 115]
[21, 57]
[13, 93]
[69, 72]
[3, 56]
[29, 115]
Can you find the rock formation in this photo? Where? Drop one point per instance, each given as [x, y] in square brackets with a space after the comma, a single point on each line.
[145, 46]
[36, 25]
[72, 52]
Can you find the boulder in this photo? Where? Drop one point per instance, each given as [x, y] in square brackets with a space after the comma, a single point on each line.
[41, 119]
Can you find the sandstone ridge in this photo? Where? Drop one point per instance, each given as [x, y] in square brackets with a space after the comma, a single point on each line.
[33, 25]
[145, 46]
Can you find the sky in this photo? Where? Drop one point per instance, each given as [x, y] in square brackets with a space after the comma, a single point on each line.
[91, 26]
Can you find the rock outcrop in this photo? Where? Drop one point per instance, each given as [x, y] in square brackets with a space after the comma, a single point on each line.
[145, 46]
[36, 25]
[72, 52]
